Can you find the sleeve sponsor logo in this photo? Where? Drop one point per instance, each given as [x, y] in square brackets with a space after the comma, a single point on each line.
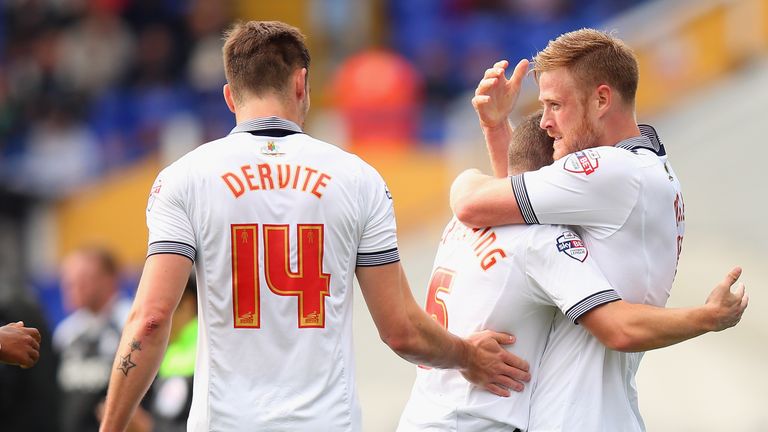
[386, 191]
[571, 244]
[582, 162]
[153, 193]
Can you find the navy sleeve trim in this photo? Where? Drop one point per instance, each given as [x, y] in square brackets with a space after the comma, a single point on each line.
[373, 259]
[521, 196]
[591, 302]
[172, 247]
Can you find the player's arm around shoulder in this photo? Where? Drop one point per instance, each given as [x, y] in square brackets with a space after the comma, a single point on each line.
[628, 327]
[416, 337]
[479, 200]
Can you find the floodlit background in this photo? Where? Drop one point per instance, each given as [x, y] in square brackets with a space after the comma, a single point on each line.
[97, 95]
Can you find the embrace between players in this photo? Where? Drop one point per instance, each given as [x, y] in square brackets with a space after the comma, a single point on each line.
[594, 219]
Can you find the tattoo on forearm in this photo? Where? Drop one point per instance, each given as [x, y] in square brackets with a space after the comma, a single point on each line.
[126, 364]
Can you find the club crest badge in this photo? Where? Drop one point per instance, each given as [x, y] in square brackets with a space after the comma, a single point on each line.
[271, 149]
[582, 162]
[571, 244]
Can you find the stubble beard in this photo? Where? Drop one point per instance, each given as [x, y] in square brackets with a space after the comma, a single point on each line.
[585, 136]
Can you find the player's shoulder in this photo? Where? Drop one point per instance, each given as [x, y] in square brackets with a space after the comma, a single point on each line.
[554, 239]
[195, 159]
[597, 160]
[529, 236]
[350, 162]
[549, 233]
[607, 166]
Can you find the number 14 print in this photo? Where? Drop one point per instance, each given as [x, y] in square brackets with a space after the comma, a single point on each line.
[308, 284]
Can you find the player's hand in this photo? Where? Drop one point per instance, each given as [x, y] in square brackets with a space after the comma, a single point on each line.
[19, 345]
[492, 367]
[495, 96]
[727, 306]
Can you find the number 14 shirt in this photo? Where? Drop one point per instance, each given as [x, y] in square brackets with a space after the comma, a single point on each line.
[276, 223]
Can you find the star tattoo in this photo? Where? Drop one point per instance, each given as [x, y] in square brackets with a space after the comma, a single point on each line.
[135, 345]
[126, 364]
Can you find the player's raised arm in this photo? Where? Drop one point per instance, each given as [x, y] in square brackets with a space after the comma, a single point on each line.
[416, 337]
[495, 98]
[145, 336]
[623, 326]
[480, 200]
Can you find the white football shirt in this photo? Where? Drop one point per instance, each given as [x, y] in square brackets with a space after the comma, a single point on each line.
[627, 203]
[510, 279]
[276, 223]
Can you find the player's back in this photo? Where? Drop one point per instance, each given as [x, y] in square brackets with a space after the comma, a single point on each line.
[504, 279]
[278, 223]
[585, 386]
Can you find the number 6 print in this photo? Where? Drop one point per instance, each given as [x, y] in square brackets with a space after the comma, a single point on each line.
[309, 283]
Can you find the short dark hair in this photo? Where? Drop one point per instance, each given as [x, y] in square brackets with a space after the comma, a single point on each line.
[531, 148]
[259, 56]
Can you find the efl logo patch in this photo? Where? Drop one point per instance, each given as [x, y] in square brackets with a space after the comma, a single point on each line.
[570, 244]
[586, 162]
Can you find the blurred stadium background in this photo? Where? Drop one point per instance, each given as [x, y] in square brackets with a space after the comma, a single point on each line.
[97, 95]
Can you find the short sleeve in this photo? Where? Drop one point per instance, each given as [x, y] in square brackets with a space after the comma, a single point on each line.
[558, 264]
[170, 229]
[378, 242]
[595, 188]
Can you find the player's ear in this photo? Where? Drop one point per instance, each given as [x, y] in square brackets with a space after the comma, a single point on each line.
[229, 98]
[300, 83]
[603, 99]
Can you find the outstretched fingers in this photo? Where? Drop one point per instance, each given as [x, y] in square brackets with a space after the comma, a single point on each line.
[485, 86]
[518, 74]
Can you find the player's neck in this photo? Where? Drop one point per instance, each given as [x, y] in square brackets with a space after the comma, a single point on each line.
[622, 126]
[267, 107]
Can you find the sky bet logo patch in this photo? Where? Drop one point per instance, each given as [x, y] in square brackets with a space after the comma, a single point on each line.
[570, 244]
[585, 162]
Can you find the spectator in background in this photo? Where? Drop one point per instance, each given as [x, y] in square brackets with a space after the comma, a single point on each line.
[94, 53]
[88, 338]
[62, 153]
